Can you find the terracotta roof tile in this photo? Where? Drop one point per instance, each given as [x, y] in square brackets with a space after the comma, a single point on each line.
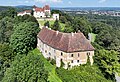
[65, 41]
[46, 7]
[39, 9]
[28, 11]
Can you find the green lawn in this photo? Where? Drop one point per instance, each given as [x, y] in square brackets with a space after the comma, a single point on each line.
[41, 22]
[50, 68]
[93, 36]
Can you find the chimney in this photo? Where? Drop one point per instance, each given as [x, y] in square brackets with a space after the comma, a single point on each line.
[50, 28]
[78, 31]
[57, 32]
[72, 34]
[46, 26]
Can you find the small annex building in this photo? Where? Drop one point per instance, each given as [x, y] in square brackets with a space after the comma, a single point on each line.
[26, 12]
[72, 49]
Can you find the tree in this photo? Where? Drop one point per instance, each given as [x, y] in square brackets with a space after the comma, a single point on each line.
[109, 39]
[56, 26]
[47, 24]
[6, 29]
[10, 12]
[25, 18]
[68, 28]
[107, 61]
[6, 56]
[2, 31]
[26, 68]
[47, 14]
[83, 73]
[63, 19]
[24, 37]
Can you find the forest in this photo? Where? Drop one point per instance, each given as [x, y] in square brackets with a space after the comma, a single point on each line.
[20, 61]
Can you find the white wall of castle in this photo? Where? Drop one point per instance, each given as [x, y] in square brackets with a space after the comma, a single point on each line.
[39, 14]
[73, 59]
[56, 16]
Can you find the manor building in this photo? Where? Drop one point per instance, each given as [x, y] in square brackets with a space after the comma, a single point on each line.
[73, 49]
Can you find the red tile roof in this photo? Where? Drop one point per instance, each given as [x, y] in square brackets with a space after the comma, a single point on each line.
[46, 7]
[65, 41]
[39, 9]
[20, 12]
[34, 6]
[28, 11]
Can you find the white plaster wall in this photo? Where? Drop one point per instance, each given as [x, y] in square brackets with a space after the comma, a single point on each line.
[56, 16]
[27, 13]
[22, 14]
[39, 14]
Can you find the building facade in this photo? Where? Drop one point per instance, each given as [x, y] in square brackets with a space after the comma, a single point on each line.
[56, 16]
[26, 12]
[73, 49]
[41, 12]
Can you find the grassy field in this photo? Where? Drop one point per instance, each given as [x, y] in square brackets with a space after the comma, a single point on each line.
[50, 68]
[41, 22]
[93, 36]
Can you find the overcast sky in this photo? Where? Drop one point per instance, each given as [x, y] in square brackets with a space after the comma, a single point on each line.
[63, 3]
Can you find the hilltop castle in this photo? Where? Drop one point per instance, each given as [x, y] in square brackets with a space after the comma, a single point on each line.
[38, 12]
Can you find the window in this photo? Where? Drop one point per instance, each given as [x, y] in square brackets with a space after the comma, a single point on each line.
[78, 61]
[72, 61]
[71, 55]
[45, 51]
[61, 54]
[61, 60]
[88, 53]
[78, 55]
[49, 53]
[54, 51]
